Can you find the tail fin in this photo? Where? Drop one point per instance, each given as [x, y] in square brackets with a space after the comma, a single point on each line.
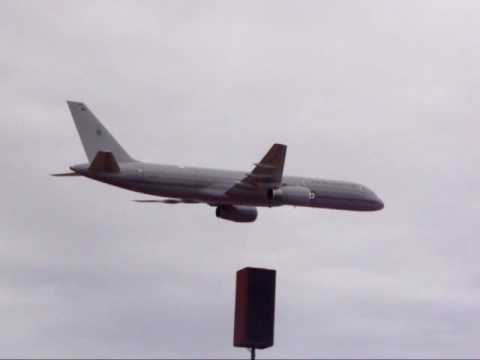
[104, 162]
[95, 137]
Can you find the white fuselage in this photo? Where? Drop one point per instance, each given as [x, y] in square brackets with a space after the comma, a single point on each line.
[211, 186]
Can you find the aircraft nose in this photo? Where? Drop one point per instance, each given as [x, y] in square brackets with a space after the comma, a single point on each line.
[375, 202]
[379, 205]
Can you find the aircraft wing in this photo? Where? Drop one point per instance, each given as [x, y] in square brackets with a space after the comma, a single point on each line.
[266, 174]
[167, 201]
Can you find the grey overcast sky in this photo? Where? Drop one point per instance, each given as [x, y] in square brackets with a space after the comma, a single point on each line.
[376, 92]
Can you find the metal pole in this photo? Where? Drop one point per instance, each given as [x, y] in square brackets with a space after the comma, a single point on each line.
[252, 353]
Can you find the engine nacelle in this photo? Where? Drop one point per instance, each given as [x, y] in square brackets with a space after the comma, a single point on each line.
[237, 213]
[291, 195]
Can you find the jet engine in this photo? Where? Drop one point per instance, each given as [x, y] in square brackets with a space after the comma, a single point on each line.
[292, 195]
[237, 213]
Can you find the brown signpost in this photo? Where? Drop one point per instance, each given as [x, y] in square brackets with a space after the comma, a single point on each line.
[254, 309]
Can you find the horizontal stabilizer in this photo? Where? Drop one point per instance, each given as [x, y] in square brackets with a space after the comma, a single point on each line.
[104, 162]
[65, 174]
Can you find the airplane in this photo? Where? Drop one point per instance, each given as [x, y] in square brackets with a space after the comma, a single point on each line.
[235, 194]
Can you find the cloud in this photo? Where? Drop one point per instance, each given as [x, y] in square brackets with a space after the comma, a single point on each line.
[377, 93]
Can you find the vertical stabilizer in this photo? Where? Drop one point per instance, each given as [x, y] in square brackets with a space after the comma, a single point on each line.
[95, 137]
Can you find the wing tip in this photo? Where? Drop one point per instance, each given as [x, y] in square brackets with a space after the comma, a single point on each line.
[74, 102]
[75, 105]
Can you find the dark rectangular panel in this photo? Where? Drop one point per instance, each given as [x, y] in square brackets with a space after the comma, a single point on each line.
[254, 308]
